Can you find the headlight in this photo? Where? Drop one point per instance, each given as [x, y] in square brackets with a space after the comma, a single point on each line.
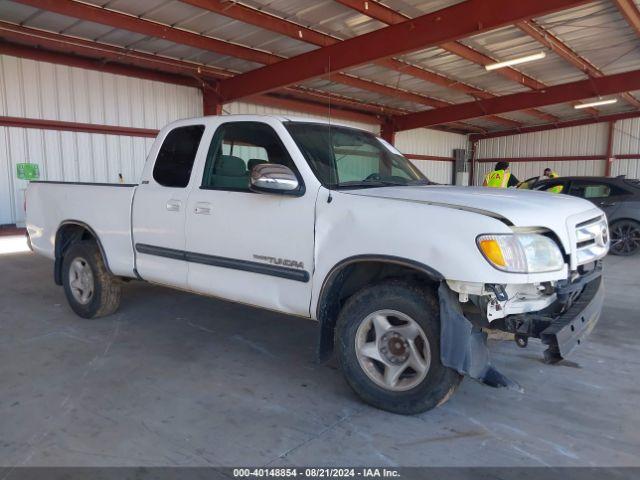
[521, 252]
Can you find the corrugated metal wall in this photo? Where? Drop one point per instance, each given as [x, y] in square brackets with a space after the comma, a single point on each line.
[626, 141]
[423, 141]
[584, 140]
[54, 92]
[579, 141]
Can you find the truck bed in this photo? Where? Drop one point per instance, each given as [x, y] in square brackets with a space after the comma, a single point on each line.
[103, 207]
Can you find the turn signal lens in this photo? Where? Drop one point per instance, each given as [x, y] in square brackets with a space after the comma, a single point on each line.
[492, 251]
[521, 252]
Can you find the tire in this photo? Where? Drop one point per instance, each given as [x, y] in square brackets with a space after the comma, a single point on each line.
[356, 332]
[90, 289]
[625, 238]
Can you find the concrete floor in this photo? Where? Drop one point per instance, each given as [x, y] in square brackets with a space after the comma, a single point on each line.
[177, 379]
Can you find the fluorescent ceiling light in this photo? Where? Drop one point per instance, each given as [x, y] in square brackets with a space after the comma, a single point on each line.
[516, 61]
[595, 104]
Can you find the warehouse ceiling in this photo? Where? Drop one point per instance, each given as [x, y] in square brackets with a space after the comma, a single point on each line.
[213, 40]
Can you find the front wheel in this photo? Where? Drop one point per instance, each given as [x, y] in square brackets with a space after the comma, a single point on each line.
[388, 338]
[89, 287]
[625, 238]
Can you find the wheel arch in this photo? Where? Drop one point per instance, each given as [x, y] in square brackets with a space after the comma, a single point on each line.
[69, 232]
[350, 275]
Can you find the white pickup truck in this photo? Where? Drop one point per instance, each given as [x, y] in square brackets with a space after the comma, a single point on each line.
[331, 223]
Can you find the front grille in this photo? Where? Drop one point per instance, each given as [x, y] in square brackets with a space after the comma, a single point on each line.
[592, 240]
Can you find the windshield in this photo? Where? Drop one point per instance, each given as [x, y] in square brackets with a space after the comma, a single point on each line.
[343, 157]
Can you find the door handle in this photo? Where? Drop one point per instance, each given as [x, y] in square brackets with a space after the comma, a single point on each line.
[607, 204]
[202, 208]
[173, 205]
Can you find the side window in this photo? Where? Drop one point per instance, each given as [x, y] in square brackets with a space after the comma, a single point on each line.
[176, 156]
[595, 190]
[236, 148]
[590, 190]
[553, 187]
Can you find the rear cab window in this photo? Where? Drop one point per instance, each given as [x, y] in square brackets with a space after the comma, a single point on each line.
[176, 156]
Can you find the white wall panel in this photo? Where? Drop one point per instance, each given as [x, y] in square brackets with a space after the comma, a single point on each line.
[628, 167]
[42, 90]
[627, 137]
[436, 171]
[66, 156]
[423, 141]
[627, 142]
[35, 89]
[582, 140]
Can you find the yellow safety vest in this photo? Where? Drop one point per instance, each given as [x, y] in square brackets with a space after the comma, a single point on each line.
[497, 179]
[557, 188]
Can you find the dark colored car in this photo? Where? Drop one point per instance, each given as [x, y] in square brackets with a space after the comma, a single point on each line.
[619, 197]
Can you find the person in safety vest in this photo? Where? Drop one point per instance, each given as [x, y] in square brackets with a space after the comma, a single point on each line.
[548, 173]
[500, 177]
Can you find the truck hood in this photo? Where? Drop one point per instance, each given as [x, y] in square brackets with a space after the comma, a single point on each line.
[520, 208]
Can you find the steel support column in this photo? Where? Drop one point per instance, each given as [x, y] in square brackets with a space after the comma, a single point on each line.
[610, 157]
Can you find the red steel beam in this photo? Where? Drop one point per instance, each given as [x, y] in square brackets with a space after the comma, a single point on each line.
[555, 126]
[509, 73]
[593, 87]
[106, 53]
[300, 105]
[264, 20]
[389, 16]
[99, 56]
[479, 58]
[434, 158]
[95, 64]
[290, 29]
[293, 30]
[631, 12]
[563, 158]
[448, 24]
[384, 90]
[375, 10]
[313, 108]
[115, 19]
[553, 43]
[76, 127]
[91, 13]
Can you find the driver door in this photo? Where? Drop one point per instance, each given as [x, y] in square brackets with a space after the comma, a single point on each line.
[254, 248]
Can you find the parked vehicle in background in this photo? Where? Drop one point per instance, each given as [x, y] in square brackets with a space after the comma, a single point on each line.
[619, 197]
[332, 223]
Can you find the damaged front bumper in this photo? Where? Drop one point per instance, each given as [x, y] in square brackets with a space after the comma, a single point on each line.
[582, 300]
[561, 327]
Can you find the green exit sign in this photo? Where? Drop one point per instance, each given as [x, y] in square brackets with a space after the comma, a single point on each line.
[28, 171]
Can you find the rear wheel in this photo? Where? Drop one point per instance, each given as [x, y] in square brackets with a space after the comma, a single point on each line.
[89, 287]
[388, 338]
[625, 238]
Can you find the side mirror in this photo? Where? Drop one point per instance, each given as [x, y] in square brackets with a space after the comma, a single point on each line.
[274, 178]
